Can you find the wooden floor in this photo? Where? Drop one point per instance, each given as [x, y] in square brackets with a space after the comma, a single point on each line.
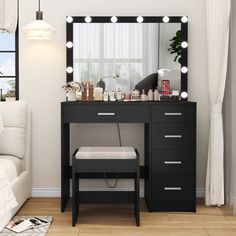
[118, 220]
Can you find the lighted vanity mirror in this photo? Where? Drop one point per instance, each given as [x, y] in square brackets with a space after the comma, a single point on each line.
[127, 49]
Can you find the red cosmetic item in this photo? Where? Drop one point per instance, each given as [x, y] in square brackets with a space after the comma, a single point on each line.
[165, 87]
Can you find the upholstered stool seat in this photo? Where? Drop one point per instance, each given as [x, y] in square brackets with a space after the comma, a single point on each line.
[106, 153]
[105, 160]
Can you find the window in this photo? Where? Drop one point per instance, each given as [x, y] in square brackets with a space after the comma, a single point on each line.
[9, 72]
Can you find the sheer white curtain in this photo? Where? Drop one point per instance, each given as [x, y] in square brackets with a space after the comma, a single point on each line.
[218, 18]
[8, 16]
[126, 50]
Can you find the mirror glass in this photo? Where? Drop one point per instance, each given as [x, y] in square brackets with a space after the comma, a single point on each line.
[127, 51]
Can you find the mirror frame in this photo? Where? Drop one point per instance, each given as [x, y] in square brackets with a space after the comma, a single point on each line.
[128, 19]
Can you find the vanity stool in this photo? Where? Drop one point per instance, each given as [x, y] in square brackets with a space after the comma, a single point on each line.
[104, 160]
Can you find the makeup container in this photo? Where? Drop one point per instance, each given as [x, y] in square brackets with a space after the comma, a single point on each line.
[112, 96]
[175, 95]
[119, 95]
[143, 96]
[84, 90]
[127, 96]
[135, 95]
[90, 91]
[150, 95]
[156, 95]
[98, 94]
[106, 96]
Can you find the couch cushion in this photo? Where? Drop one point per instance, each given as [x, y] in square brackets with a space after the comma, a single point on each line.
[19, 163]
[13, 136]
[106, 153]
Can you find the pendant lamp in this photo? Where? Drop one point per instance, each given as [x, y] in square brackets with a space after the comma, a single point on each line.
[39, 29]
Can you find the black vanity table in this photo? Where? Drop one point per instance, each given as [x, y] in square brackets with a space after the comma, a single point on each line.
[170, 127]
[170, 149]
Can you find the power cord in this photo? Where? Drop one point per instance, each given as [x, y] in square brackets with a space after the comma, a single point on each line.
[118, 128]
[108, 184]
[117, 178]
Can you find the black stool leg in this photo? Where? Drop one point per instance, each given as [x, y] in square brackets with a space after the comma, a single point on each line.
[136, 200]
[75, 198]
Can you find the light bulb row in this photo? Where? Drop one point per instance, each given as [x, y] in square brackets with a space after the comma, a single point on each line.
[114, 19]
[69, 70]
[69, 44]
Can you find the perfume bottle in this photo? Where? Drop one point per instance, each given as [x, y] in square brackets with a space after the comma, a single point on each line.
[119, 95]
[156, 95]
[85, 90]
[143, 96]
[90, 90]
[105, 96]
[98, 94]
[112, 96]
[150, 95]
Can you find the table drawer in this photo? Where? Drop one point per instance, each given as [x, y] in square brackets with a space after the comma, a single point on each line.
[105, 113]
[172, 136]
[172, 188]
[173, 162]
[173, 113]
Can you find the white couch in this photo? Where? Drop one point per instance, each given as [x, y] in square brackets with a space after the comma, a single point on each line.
[15, 147]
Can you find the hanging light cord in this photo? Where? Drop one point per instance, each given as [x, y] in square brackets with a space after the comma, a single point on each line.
[39, 5]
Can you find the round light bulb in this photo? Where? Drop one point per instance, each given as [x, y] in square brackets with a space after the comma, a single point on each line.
[69, 19]
[166, 19]
[184, 44]
[69, 70]
[184, 69]
[184, 19]
[69, 44]
[114, 19]
[88, 19]
[139, 19]
[184, 95]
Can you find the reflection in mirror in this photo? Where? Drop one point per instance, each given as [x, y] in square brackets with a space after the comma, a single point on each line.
[127, 52]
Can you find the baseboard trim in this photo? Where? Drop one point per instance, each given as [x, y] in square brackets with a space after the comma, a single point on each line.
[56, 192]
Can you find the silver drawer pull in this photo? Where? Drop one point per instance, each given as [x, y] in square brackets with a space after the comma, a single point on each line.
[173, 162]
[172, 188]
[106, 114]
[173, 113]
[173, 136]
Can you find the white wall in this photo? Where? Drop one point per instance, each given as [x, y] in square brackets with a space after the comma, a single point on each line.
[42, 72]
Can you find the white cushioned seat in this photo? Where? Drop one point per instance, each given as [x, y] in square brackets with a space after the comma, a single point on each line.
[19, 163]
[106, 153]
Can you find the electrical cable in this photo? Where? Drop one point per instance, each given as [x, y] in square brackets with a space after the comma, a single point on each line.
[118, 128]
[117, 178]
[108, 184]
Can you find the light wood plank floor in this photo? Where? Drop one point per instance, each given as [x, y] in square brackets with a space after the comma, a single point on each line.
[118, 220]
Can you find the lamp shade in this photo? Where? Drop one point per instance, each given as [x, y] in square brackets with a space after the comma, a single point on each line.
[39, 30]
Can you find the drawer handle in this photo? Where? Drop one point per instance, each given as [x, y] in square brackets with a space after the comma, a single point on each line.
[172, 188]
[173, 113]
[106, 114]
[173, 162]
[173, 136]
